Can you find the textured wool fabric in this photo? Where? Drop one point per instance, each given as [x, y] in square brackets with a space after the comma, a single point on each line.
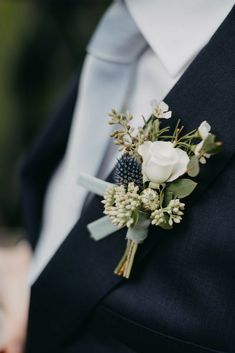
[181, 293]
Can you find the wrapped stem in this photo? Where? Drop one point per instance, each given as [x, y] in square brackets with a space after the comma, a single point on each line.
[135, 236]
[125, 265]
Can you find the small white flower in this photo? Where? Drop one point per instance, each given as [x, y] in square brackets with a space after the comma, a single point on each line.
[157, 217]
[161, 111]
[162, 162]
[199, 153]
[175, 211]
[204, 129]
[150, 199]
[198, 148]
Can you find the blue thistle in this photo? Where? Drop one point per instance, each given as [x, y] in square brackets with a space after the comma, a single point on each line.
[128, 170]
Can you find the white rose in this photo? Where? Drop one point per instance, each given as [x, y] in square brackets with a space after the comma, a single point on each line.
[162, 162]
[204, 129]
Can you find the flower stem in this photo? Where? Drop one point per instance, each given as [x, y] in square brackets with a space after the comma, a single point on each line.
[120, 267]
[125, 265]
[130, 259]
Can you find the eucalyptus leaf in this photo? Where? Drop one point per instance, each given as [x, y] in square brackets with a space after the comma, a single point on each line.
[168, 196]
[165, 225]
[193, 168]
[181, 188]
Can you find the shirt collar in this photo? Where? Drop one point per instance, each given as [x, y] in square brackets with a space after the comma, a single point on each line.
[178, 30]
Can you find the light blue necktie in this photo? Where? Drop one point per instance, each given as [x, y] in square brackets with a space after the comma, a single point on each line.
[104, 82]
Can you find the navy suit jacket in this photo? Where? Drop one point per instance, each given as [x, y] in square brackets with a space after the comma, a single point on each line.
[181, 295]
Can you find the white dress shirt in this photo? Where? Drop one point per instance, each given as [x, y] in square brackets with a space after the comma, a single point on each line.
[138, 52]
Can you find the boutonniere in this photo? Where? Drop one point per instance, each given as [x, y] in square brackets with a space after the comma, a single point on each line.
[151, 178]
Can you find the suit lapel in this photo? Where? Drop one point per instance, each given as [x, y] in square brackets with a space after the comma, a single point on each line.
[207, 92]
[81, 272]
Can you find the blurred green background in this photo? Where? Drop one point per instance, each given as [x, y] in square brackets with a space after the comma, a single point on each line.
[42, 44]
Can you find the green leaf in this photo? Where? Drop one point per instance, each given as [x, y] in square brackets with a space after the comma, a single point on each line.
[165, 225]
[193, 168]
[181, 187]
[168, 196]
[210, 145]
